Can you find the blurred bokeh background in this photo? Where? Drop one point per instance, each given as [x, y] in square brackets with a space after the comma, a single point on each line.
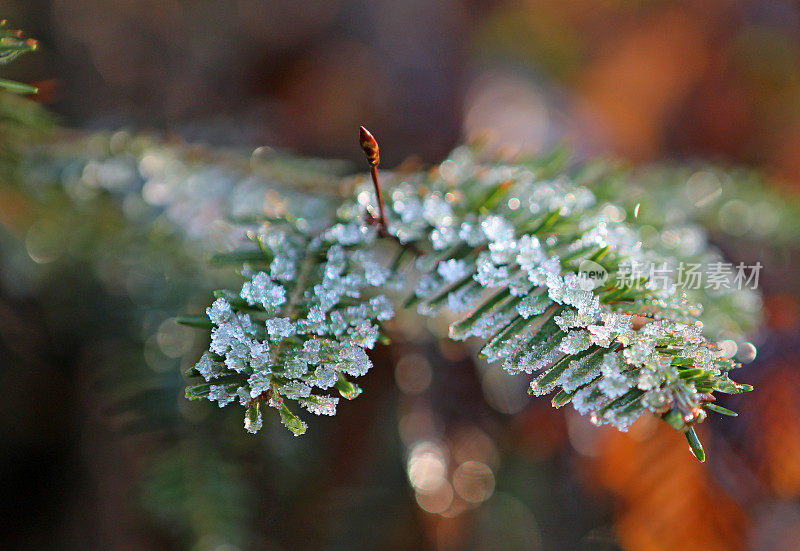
[100, 451]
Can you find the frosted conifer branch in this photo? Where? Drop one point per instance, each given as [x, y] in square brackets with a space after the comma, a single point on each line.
[500, 245]
[299, 325]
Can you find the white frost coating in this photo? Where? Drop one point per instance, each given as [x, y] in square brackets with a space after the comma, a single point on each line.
[471, 234]
[263, 291]
[309, 343]
[295, 389]
[575, 341]
[220, 312]
[614, 382]
[497, 229]
[259, 355]
[533, 305]
[279, 328]
[220, 394]
[354, 359]
[381, 308]
[253, 426]
[326, 376]
[452, 270]
[463, 299]
[581, 371]
[436, 210]
[490, 275]
[284, 267]
[320, 405]
[259, 382]
[443, 237]
[207, 368]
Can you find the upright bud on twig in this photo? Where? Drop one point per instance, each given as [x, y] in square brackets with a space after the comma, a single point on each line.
[370, 147]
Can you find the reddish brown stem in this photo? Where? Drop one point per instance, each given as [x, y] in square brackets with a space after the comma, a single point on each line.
[381, 212]
[369, 145]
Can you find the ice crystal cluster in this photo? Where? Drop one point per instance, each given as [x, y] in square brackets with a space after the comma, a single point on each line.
[501, 246]
[299, 327]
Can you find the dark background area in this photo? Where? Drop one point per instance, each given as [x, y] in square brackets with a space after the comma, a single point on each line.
[644, 79]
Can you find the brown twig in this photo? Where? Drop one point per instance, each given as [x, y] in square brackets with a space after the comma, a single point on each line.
[369, 145]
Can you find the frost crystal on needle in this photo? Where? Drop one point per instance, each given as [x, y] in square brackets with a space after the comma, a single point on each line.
[279, 328]
[452, 270]
[263, 291]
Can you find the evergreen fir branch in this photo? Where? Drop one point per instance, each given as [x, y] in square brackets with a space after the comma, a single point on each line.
[300, 324]
[501, 244]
